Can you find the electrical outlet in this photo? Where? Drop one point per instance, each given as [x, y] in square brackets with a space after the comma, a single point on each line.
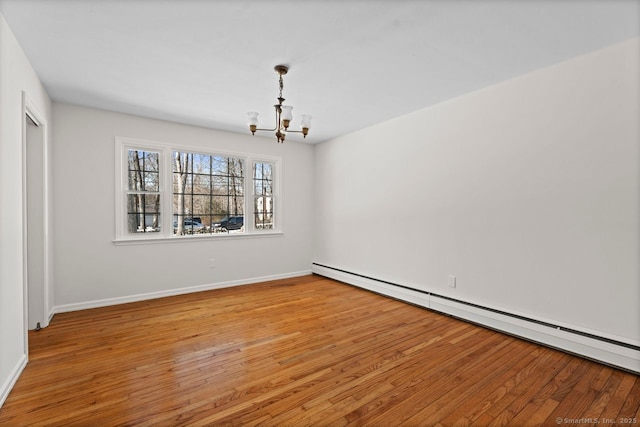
[451, 281]
[212, 263]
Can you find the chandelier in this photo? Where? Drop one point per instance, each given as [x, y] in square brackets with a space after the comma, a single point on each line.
[283, 114]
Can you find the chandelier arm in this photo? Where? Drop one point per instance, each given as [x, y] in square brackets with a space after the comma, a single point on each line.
[264, 129]
[277, 125]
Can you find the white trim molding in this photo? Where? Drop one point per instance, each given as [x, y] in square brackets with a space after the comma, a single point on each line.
[172, 292]
[604, 348]
[6, 388]
[31, 110]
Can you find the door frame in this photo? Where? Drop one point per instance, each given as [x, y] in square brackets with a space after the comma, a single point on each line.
[31, 110]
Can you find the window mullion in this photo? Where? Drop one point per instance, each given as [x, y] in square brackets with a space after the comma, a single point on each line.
[250, 198]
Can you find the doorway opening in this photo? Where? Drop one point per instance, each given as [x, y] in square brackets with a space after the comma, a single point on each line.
[35, 219]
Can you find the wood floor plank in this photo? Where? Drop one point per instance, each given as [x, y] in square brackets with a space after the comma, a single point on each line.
[472, 409]
[631, 404]
[472, 384]
[296, 352]
[408, 397]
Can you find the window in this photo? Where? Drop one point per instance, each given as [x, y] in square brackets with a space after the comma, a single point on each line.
[166, 191]
[263, 195]
[143, 195]
[208, 193]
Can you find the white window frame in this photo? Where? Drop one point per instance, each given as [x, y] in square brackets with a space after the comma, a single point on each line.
[165, 150]
[275, 192]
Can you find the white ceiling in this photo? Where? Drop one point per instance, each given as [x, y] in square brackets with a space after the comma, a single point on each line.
[352, 63]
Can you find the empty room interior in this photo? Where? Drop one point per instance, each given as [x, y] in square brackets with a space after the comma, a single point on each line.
[358, 212]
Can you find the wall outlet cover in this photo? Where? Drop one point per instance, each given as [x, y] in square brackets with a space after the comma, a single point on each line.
[451, 281]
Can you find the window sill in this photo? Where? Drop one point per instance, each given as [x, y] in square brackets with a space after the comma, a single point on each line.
[197, 238]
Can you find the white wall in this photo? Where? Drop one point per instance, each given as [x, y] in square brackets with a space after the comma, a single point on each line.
[91, 270]
[16, 76]
[526, 191]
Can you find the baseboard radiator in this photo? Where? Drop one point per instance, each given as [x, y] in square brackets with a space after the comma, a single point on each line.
[613, 352]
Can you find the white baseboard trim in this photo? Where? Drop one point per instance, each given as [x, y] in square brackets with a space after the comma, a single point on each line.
[590, 345]
[172, 292]
[7, 386]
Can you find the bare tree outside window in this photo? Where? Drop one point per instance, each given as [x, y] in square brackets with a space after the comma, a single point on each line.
[163, 191]
[143, 198]
[208, 193]
[181, 169]
[263, 195]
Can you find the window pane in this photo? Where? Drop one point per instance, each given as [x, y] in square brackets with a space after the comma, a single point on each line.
[182, 183]
[266, 170]
[262, 179]
[263, 204]
[134, 158]
[188, 225]
[135, 180]
[143, 213]
[143, 224]
[219, 165]
[217, 219]
[152, 181]
[176, 182]
[141, 203]
[264, 221]
[188, 188]
[201, 184]
[267, 187]
[228, 224]
[201, 205]
[182, 204]
[263, 191]
[236, 167]
[151, 161]
[202, 163]
[145, 161]
[220, 185]
[143, 169]
[206, 221]
[236, 186]
[236, 205]
[182, 162]
[220, 205]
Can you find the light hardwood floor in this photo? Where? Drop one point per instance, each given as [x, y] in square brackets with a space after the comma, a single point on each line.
[302, 351]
